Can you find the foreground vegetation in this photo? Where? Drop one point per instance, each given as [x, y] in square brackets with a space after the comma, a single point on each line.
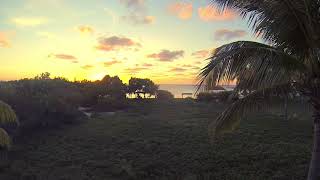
[167, 140]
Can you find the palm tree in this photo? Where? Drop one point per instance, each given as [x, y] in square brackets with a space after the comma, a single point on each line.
[288, 61]
[7, 116]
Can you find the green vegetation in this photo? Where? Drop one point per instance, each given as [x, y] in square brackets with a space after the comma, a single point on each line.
[167, 140]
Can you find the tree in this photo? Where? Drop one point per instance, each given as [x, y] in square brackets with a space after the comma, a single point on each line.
[139, 86]
[289, 61]
[7, 116]
[112, 86]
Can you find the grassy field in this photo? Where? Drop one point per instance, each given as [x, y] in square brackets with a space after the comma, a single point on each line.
[166, 141]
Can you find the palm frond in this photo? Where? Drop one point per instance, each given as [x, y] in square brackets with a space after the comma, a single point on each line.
[257, 101]
[7, 115]
[5, 141]
[254, 65]
[290, 24]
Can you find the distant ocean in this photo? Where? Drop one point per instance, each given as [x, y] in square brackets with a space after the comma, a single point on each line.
[178, 89]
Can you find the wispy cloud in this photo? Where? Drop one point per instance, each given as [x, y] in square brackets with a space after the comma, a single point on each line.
[137, 12]
[29, 21]
[138, 19]
[147, 65]
[167, 55]
[5, 39]
[116, 43]
[136, 4]
[87, 67]
[85, 29]
[47, 35]
[110, 63]
[67, 57]
[210, 13]
[227, 34]
[178, 69]
[181, 10]
[201, 54]
[135, 69]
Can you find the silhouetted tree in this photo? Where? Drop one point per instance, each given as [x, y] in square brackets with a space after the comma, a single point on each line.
[139, 86]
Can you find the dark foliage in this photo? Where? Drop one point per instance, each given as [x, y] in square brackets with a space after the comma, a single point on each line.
[164, 95]
[42, 102]
[139, 86]
[223, 96]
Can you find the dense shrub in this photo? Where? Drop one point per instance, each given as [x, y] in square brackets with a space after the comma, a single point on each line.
[110, 103]
[164, 95]
[42, 102]
[223, 96]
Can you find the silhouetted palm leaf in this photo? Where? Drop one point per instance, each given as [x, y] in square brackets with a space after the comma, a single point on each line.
[7, 115]
[259, 100]
[5, 141]
[253, 64]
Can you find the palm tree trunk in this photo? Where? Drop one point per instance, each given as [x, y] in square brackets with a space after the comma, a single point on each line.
[314, 169]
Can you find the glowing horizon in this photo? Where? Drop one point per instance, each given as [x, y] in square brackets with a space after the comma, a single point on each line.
[165, 41]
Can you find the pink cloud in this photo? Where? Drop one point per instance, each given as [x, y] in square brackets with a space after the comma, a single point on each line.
[167, 55]
[115, 43]
[210, 13]
[226, 34]
[181, 10]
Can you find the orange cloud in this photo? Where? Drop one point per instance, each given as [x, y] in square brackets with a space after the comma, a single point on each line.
[85, 29]
[181, 10]
[4, 39]
[210, 13]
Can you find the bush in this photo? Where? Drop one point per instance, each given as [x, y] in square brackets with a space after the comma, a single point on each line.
[110, 103]
[42, 103]
[222, 96]
[164, 95]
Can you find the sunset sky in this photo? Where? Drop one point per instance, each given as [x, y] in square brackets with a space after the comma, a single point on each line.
[165, 40]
